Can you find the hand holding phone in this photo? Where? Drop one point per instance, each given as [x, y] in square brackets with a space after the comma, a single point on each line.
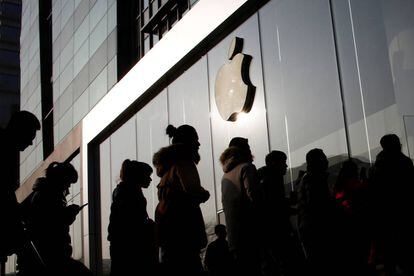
[81, 207]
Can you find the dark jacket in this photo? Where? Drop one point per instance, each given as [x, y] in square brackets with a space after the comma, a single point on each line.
[391, 185]
[218, 260]
[315, 205]
[128, 215]
[48, 219]
[11, 229]
[130, 231]
[275, 207]
[178, 215]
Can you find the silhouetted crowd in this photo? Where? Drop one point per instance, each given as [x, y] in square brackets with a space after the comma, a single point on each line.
[358, 225]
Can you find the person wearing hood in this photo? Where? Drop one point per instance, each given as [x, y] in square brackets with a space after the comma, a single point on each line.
[48, 218]
[130, 230]
[241, 197]
[178, 217]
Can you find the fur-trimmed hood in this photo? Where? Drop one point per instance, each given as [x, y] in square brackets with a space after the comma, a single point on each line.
[41, 184]
[166, 157]
[234, 156]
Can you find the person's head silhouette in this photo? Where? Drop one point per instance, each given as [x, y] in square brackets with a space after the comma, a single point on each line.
[316, 160]
[220, 231]
[238, 149]
[136, 172]
[22, 129]
[241, 143]
[349, 169]
[61, 175]
[186, 135]
[390, 143]
[276, 160]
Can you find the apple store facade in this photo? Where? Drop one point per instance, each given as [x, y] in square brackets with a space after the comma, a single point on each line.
[336, 75]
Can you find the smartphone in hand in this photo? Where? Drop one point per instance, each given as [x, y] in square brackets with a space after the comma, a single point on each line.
[81, 207]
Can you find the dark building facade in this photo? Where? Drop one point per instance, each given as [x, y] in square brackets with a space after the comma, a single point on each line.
[10, 16]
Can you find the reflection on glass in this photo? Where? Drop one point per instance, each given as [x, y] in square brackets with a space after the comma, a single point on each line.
[145, 4]
[146, 44]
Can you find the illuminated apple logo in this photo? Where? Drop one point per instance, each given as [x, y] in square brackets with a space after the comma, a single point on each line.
[234, 91]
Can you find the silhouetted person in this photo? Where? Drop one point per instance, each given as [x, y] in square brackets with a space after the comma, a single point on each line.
[218, 259]
[281, 258]
[241, 197]
[315, 215]
[392, 193]
[16, 137]
[130, 230]
[180, 224]
[353, 237]
[48, 218]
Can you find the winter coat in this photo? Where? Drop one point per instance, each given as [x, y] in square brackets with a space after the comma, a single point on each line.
[275, 207]
[240, 198]
[130, 231]
[391, 186]
[178, 215]
[48, 220]
[315, 206]
[11, 230]
[218, 259]
[128, 220]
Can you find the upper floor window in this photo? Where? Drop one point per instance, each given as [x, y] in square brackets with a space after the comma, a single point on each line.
[144, 23]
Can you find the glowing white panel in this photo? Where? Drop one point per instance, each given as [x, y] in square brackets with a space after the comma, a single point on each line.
[198, 23]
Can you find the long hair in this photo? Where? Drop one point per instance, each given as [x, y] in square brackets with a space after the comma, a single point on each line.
[61, 172]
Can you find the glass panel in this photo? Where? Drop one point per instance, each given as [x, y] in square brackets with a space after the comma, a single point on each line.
[155, 37]
[146, 17]
[74, 197]
[146, 43]
[163, 27]
[98, 36]
[409, 128]
[106, 199]
[376, 54]
[113, 151]
[151, 123]
[193, 2]
[154, 7]
[145, 4]
[302, 84]
[182, 8]
[195, 111]
[98, 87]
[172, 17]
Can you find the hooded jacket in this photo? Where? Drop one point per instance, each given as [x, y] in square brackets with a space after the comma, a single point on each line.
[178, 215]
[240, 197]
[48, 220]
